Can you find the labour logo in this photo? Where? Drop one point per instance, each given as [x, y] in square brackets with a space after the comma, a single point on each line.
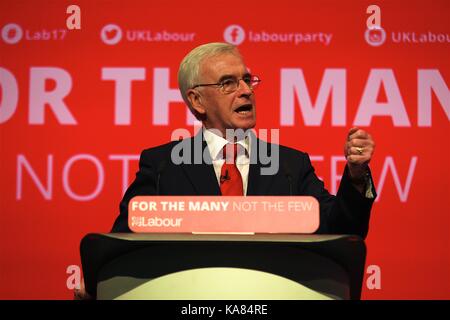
[12, 33]
[375, 36]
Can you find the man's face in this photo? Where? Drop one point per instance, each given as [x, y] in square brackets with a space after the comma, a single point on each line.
[235, 110]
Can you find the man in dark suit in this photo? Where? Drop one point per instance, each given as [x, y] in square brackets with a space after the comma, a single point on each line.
[219, 90]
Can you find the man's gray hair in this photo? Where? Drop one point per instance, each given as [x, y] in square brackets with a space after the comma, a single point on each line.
[188, 74]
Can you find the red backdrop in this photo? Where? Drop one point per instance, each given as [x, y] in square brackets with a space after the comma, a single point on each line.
[73, 108]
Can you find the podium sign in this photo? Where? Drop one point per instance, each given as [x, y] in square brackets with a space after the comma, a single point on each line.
[223, 214]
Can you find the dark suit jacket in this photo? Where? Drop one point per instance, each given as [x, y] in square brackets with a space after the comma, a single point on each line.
[346, 213]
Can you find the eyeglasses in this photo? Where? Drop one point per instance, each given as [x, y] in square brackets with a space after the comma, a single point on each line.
[231, 84]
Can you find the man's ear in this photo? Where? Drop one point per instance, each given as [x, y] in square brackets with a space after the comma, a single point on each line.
[195, 100]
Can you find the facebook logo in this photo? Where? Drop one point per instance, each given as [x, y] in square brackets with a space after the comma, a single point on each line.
[234, 34]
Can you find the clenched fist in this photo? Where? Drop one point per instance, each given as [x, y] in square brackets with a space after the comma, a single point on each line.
[358, 151]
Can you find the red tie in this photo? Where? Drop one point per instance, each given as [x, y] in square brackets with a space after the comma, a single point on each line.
[230, 177]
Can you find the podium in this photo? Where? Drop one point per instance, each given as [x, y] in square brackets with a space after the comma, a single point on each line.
[203, 266]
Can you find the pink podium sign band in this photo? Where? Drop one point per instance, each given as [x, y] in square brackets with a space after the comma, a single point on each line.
[223, 214]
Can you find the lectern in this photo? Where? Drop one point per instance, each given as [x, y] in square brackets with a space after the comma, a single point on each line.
[202, 266]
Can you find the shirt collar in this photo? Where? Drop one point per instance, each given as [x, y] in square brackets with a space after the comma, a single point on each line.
[216, 143]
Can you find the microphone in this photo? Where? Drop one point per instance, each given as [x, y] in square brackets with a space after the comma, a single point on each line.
[288, 174]
[159, 170]
[225, 177]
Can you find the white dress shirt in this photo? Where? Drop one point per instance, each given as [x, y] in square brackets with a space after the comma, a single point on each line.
[215, 146]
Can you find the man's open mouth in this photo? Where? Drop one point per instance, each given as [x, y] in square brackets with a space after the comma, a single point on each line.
[244, 109]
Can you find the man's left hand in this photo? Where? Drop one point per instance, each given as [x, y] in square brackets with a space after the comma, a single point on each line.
[358, 151]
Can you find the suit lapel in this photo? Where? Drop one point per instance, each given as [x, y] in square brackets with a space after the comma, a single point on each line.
[258, 184]
[200, 174]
